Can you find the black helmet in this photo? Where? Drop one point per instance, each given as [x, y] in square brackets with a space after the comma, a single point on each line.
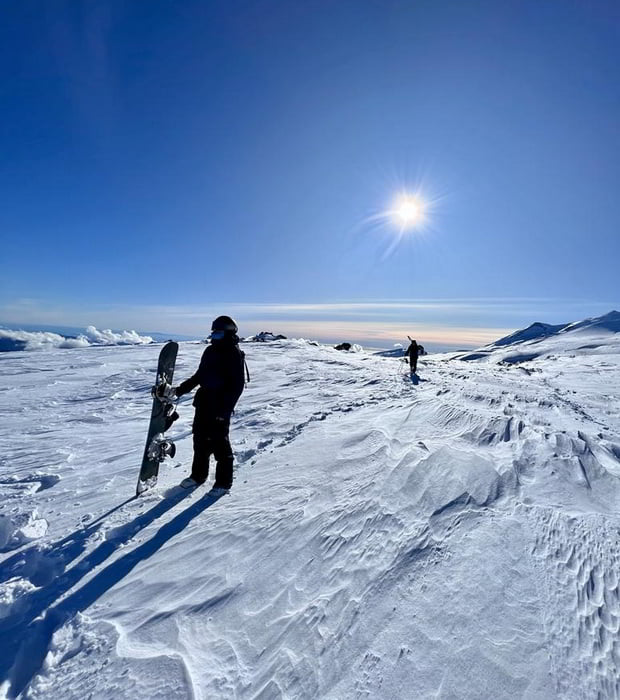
[224, 323]
[224, 327]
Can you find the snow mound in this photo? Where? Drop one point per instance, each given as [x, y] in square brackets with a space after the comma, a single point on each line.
[21, 528]
[301, 343]
[450, 479]
[12, 595]
[12, 340]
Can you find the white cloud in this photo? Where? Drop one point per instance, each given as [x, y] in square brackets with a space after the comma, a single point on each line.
[41, 340]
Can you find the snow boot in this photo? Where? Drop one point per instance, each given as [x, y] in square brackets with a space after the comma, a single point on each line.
[189, 483]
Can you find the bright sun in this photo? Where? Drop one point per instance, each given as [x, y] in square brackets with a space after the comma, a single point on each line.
[408, 211]
[409, 215]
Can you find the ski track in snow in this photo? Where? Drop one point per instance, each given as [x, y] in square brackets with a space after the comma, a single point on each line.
[454, 536]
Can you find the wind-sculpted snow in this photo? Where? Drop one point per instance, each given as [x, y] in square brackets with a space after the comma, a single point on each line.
[12, 340]
[452, 536]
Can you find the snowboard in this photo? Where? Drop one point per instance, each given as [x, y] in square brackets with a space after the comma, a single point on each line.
[163, 414]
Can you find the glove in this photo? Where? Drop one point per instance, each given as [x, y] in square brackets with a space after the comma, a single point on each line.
[165, 392]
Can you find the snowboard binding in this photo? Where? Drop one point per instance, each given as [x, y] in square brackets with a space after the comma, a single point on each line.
[170, 417]
[160, 448]
[165, 393]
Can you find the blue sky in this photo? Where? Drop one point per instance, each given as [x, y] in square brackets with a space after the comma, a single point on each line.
[163, 162]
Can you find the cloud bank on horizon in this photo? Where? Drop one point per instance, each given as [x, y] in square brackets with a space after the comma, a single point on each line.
[43, 340]
[445, 323]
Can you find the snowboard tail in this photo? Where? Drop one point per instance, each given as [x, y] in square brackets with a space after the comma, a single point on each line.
[163, 414]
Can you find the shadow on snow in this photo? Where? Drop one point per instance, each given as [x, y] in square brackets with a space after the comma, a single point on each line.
[41, 566]
[27, 635]
[415, 378]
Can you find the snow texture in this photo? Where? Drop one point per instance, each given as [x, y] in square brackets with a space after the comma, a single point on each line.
[454, 534]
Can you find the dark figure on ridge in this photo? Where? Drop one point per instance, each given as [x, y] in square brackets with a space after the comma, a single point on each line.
[221, 379]
[413, 351]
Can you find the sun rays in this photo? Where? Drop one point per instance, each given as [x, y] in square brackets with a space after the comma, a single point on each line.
[408, 215]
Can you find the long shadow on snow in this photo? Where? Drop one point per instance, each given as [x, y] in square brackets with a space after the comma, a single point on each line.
[40, 566]
[27, 636]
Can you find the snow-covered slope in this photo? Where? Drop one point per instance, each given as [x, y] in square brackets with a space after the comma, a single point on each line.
[452, 537]
[534, 332]
[600, 335]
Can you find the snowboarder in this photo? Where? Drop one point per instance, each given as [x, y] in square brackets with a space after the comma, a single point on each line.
[221, 379]
[412, 351]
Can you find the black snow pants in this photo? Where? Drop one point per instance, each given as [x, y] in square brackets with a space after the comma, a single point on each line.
[211, 438]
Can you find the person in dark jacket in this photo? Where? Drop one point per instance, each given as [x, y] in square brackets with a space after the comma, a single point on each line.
[413, 351]
[221, 379]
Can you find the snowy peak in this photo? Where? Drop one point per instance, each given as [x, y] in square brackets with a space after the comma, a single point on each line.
[591, 336]
[536, 330]
[609, 323]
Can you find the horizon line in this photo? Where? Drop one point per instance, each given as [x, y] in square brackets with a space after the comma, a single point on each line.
[464, 322]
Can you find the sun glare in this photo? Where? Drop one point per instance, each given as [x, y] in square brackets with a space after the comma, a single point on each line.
[408, 211]
[409, 215]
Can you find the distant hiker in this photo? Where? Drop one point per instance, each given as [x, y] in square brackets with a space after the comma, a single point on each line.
[413, 351]
[221, 379]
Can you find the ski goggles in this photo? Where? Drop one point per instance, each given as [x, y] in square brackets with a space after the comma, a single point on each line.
[217, 335]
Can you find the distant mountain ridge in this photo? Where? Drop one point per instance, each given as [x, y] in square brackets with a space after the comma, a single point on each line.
[608, 323]
[592, 335]
[536, 330]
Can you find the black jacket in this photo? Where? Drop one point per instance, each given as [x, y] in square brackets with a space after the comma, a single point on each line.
[221, 379]
[413, 350]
